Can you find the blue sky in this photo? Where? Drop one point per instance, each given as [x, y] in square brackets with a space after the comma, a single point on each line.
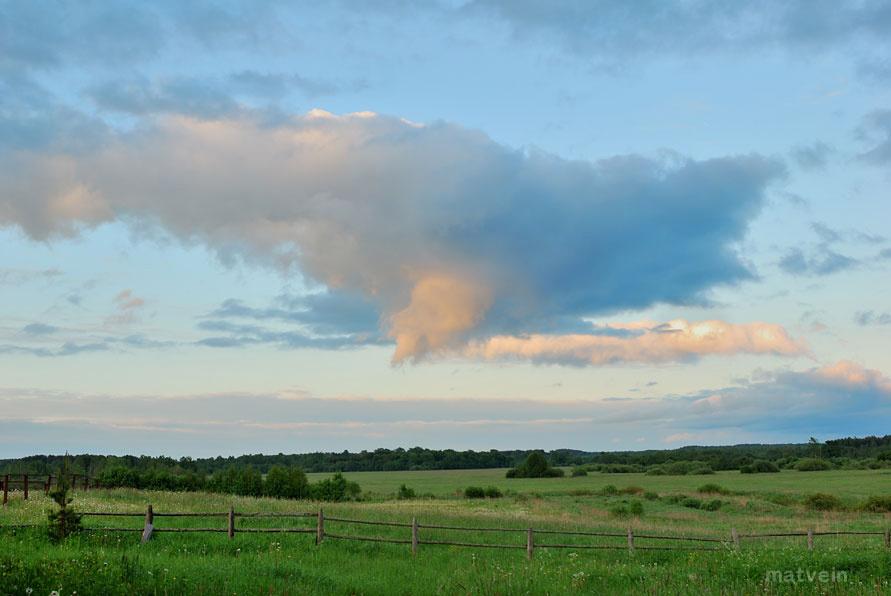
[240, 227]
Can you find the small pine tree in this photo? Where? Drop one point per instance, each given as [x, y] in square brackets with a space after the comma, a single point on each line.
[65, 521]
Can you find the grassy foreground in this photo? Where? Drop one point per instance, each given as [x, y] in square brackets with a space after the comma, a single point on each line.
[100, 562]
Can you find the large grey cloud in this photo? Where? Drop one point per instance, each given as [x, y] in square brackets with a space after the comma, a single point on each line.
[449, 234]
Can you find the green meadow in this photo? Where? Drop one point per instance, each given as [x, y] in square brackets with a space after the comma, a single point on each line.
[108, 562]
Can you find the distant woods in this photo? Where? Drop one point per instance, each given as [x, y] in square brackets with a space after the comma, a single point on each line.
[282, 475]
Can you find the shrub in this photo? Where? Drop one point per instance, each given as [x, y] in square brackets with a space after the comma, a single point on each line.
[619, 511]
[884, 455]
[712, 505]
[66, 520]
[782, 499]
[535, 466]
[493, 492]
[474, 492]
[691, 503]
[579, 471]
[760, 466]
[636, 508]
[823, 502]
[620, 469]
[632, 490]
[335, 489]
[651, 496]
[286, 482]
[674, 499]
[404, 493]
[655, 471]
[877, 504]
[812, 464]
[609, 490]
[713, 489]
[681, 468]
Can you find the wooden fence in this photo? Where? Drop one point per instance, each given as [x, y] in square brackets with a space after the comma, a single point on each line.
[628, 543]
[26, 482]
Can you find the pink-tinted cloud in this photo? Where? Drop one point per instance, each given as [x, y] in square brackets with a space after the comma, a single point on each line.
[645, 341]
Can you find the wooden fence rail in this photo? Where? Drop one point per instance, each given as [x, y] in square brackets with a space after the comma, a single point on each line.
[43, 481]
[530, 543]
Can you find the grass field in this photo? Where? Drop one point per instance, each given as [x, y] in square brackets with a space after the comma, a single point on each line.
[198, 563]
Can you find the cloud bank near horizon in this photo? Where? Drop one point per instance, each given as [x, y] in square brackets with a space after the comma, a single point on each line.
[829, 401]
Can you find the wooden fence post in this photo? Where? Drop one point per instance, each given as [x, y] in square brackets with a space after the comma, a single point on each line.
[46, 485]
[887, 537]
[630, 539]
[735, 535]
[530, 542]
[73, 482]
[26, 486]
[810, 537]
[320, 527]
[149, 524]
[86, 482]
[5, 488]
[231, 522]
[414, 535]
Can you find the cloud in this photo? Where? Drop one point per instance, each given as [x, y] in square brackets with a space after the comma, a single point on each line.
[870, 318]
[823, 259]
[611, 33]
[836, 400]
[451, 236]
[651, 342]
[877, 124]
[126, 300]
[824, 262]
[39, 329]
[66, 349]
[812, 157]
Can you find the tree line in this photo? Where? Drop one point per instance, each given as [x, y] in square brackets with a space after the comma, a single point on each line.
[197, 470]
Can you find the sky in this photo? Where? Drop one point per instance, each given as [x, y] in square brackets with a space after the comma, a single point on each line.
[264, 227]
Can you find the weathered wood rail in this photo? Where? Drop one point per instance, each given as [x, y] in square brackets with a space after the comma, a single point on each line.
[631, 540]
[27, 482]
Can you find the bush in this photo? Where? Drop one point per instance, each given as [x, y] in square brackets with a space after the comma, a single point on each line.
[632, 490]
[636, 508]
[535, 466]
[493, 492]
[877, 504]
[691, 503]
[812, 464]
[651, 496]
[579, 471]
[286, 482]
[760, 466]
[335, 489]
[609, 490]
[66, 520]
[712, 505]
[474, 492]
[655, 471]
[404, 493]
[620, 469]
[674, 499]
[619, 511]
[783, 499]
[713, 489]
[682, 468]
[884, 455]
[823, 502]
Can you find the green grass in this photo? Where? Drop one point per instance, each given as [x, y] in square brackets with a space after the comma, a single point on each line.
[199, 563]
